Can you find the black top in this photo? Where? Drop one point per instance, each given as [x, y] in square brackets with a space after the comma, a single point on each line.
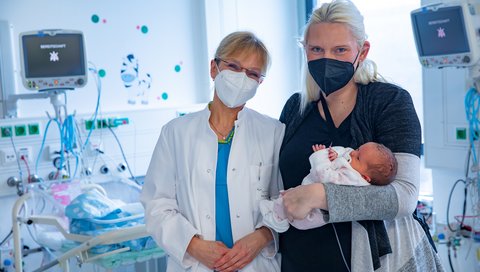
[383, 113]
[323, 252]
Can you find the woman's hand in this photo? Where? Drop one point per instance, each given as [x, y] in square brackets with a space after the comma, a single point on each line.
[244, 250]
[299, 201]
[206, 252]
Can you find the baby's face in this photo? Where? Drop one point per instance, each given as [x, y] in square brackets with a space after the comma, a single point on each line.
[363, 156]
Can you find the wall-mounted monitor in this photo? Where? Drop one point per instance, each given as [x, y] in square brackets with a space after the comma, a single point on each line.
[53, 59]
[446, 34]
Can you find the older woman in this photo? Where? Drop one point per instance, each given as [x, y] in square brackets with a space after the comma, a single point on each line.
[211, 168]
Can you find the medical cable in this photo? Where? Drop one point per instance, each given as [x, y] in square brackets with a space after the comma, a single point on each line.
[9, 235]
[20, 173]
[81, 157]
[71, 141]
[42, 145]
[123, 155]
[97, 149]
[99, 91]
[449, 200]
[97, 155]
[450, 259]
[472, 110]
[26, 166]
[340, 247]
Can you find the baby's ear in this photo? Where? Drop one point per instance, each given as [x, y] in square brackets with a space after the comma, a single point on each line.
[367, 178]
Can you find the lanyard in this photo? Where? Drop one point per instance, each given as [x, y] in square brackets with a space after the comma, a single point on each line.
[332, 130]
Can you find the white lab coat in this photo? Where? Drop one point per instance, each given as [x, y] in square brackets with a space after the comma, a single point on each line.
[179, 189]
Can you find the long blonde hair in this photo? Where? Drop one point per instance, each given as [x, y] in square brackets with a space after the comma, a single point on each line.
[344, 12]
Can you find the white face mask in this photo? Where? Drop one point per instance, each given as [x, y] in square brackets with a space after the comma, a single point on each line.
[234, 88]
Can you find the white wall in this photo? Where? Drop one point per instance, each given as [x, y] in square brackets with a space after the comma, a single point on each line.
[181, 34]
[278, 24]
[175, 37]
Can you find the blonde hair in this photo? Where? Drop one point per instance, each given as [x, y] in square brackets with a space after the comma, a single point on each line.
[344, 12]
[243, 42]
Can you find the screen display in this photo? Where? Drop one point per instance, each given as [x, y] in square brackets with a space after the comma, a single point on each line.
[61, 55]
[440, 32]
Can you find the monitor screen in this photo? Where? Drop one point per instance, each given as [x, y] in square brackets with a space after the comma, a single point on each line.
[61, 55]
[440, 32]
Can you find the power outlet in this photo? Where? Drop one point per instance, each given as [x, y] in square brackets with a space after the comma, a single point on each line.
[7, 157]
[26, 153]
[6, 132]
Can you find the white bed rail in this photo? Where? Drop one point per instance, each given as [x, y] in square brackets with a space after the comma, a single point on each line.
[86, 242]
[81, 251]
[16, 231]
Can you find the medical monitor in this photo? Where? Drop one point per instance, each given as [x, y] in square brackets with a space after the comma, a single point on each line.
[53, 59]
[446, 34]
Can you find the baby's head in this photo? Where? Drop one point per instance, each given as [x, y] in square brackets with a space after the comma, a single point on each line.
[375, 162]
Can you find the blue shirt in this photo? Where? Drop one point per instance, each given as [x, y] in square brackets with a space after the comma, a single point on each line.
[222, 207]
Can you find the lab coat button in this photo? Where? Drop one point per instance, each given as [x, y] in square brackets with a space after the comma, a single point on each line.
[238, 216]
[208, 216]
[209, 170]
[233, 169]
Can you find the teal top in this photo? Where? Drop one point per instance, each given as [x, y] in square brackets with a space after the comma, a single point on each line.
[222, 207]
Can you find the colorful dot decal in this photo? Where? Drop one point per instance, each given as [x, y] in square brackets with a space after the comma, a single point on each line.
[143, 28]
[95, 18]
[102, 73]
[177, 68]
[164, 96]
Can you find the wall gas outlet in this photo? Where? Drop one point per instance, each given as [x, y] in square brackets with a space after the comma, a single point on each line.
[7, 156]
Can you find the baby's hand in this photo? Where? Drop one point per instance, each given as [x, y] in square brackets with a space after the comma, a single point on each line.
[317, 147]
[332, 154]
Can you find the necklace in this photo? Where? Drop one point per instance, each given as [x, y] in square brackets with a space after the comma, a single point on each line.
[224, 137]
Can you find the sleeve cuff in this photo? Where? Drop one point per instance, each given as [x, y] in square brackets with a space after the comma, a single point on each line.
[271, 249]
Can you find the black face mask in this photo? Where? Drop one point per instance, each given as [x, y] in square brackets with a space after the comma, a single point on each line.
[331, 74]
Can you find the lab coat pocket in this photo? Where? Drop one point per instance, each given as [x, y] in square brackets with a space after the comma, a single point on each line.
[260, 177]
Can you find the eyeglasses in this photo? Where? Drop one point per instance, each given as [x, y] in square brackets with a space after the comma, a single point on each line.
[255, 75]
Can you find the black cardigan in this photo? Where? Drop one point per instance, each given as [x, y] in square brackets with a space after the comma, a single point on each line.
[372, 116]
